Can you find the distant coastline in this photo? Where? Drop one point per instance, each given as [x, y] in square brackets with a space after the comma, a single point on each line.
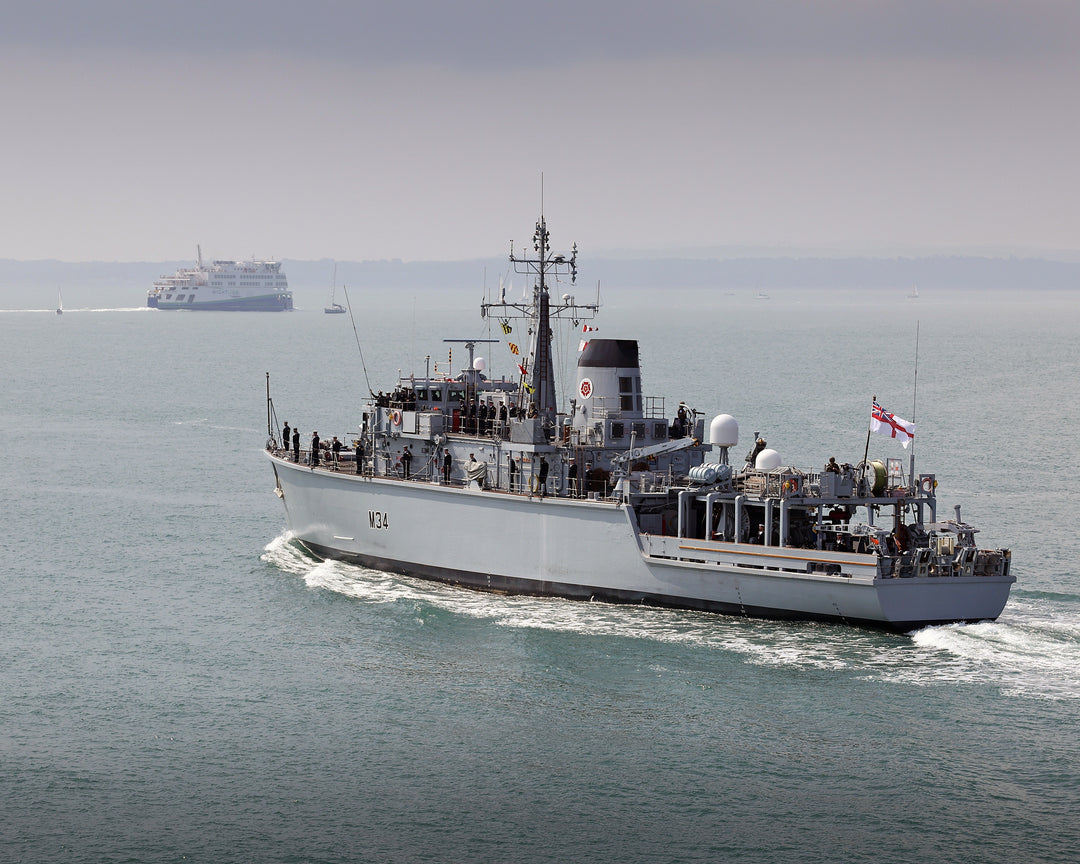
[33, 284]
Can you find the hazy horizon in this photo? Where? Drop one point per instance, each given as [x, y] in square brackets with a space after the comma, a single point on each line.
[419, 130]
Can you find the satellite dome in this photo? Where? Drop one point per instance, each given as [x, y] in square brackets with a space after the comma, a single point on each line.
[479, 364]
[767, 460]
[724, 431]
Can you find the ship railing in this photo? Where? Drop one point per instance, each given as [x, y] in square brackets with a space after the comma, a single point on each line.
[605, 408]
[651, 481]
[784, 482]
[611, 407]
[654, 408]
[789, 481]
[857, 537]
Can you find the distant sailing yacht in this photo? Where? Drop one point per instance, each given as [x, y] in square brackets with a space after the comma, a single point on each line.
[59, 302]
[914, 295]
[334, 308]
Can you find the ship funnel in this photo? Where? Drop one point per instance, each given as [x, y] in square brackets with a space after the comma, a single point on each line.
[609, 381]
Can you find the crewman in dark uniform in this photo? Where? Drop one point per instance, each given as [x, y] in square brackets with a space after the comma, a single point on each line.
[286, 436]
[406, 461]
[359, 455]
[296, 446]
[314, 449]
[541, 477]
[336, 448]
[447, 464]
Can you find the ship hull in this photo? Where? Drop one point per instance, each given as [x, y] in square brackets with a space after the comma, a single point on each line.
[584, 549]
[261, 303]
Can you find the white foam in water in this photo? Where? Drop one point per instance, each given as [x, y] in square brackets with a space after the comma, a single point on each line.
[68, 310]
[1027, 654]
[766, 643]
[281, 553]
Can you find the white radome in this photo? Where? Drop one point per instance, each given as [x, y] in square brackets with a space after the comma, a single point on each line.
[724, 431]
[479, 364]
[767, 460]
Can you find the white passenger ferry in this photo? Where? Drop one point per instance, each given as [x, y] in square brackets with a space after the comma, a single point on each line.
[230, 286]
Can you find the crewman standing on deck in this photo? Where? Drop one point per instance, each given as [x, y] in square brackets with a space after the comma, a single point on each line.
[541, 477]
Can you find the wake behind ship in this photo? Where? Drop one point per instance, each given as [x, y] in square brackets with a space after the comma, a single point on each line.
[229, 286]
[485, 483]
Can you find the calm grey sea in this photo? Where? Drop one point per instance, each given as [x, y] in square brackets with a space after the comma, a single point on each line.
[178, 682]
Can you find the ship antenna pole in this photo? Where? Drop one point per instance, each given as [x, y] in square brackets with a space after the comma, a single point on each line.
[914, 397]
[869, 426]
[269, 428]
[363, 365]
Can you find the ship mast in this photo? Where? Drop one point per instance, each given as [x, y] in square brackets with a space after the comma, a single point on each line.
[543, 264]
[540, 311]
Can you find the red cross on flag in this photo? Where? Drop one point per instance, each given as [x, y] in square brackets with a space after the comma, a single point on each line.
[886, 423]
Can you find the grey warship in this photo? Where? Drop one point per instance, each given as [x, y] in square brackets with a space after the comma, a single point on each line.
[485, 483]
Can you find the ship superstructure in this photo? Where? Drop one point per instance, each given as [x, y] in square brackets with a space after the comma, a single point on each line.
[488, 483]
[230, 286]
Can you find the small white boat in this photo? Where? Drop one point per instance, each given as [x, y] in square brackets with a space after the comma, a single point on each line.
[334, 308]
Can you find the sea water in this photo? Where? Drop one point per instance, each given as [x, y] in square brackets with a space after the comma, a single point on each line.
[181, 682]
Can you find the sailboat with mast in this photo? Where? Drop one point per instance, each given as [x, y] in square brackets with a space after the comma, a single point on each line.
[334, 308]
[59, 302]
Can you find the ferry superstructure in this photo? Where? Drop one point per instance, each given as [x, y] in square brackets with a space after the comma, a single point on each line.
[484, 483]
[230, 286]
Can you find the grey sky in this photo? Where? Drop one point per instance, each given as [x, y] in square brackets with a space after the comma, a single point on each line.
[133, 130]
